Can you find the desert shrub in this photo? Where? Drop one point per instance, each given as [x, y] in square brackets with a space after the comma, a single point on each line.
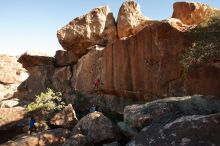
[204, 45]
[50, 100]
[2, 118]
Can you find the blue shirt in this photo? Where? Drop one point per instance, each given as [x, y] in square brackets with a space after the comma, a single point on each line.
[32, 123]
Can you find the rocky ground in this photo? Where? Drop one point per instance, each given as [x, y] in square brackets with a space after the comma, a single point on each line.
[152, 82]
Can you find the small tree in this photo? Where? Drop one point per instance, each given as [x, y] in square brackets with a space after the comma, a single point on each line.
[47, 101]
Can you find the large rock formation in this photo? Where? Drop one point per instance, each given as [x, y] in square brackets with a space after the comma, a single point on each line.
[11, 71]
[192, 13]
[140, 65]
[187, 131]
[166, 110]
[12, 74]
[148, 64]
[96, 27]
[145, 65]
[44, 74]
[31, 59]
[130, 19]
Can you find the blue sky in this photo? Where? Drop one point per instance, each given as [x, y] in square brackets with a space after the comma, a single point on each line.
[32, 24]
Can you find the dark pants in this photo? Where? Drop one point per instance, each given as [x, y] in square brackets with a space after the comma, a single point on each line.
[33, 129]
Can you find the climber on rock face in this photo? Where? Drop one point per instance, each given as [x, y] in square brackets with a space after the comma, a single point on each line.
[96, 84]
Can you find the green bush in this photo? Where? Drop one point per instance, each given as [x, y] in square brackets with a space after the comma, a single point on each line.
[2, 118]
[47, 101]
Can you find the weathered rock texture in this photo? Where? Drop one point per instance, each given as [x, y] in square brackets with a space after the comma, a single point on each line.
[11, 75]
[44, 74]
[96, 27]
[65, 118]
[65, 58]
[192, 13]
[12, 121]
[30, 59]
[10, 117]
[77, 140]
[12, 72]
[187, 131]
[50, 137]
[166, 110]
[130, 19]
[96, 127]
[146, 65]
[141, 65]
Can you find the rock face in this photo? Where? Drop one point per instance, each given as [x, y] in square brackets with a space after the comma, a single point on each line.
[65, 118]
[148, 65]
[11, 71]
[31, 59]
[50, 137]
[192, 13]
[12, 121]
[11, 75]
[65, 58]
[130, 19]
[138, 66]
[11, 117]
[96, 27]
[44, 74]
[187, 131]
[87, 70]
[61, 79]
[96, 127]
[145, 66]
[166, 110]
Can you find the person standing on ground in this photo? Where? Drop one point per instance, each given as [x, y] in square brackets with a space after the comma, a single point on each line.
[32, 125]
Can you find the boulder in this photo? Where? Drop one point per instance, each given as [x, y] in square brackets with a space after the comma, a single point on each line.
[77, 140]
[168, 109]
[96, 27]
[9, 103]
[191, 13]
[65, 118]
[177, 24]
[130, 19]
[50, 137]
[12, 72]
[65, 58]
[8, 91]
[127, 130]
[96, 127]
[188, 131]
[12, 118]
[32, 59]
[12, 121]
